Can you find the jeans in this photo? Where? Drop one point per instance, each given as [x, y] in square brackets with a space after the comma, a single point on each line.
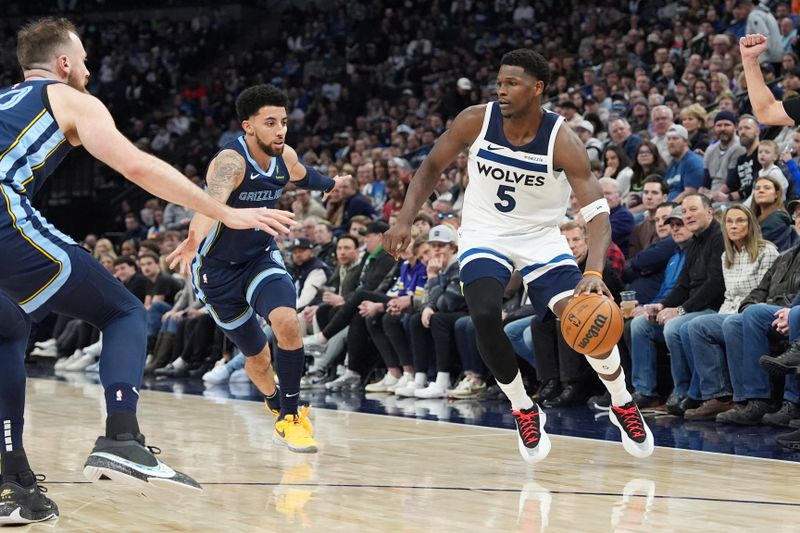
[644, 335]
[746, 341]
[516, 331]
[676, 335]
[707, 340]
[467, 347]
[154, 314]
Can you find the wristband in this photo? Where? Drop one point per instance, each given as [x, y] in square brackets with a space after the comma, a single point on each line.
[314, 181]
[593, 273]
[594, 209]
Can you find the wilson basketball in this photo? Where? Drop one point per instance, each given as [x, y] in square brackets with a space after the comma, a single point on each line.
[592, 324]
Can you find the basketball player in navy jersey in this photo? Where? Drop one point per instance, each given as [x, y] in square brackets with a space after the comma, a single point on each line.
[45, 271]
[522, 164]
[239, 274]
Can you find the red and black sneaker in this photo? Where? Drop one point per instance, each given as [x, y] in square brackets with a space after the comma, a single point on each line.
[534, 444]
[637, 439]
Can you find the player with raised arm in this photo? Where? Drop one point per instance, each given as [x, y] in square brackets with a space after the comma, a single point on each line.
[41, 119]
[521, 166]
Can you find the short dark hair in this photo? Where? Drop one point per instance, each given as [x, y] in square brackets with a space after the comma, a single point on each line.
[148, 253]
[254, 98]
[532, 63]
[125, 260]
[150, 246]
[671, 205]
[348, 237]
[39, 40]
[656, 178]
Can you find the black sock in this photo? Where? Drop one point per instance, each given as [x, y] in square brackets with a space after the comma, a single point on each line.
[14, 467]
[122, 422]
[289, 365]
[274, 401]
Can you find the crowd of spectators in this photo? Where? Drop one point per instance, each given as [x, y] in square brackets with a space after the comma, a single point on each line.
[702, 196]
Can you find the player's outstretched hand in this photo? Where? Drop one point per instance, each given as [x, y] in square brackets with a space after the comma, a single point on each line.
[184, 254]
[592, 283]
[338, 180]
[271, 221]
[397, 239]
[752, 45]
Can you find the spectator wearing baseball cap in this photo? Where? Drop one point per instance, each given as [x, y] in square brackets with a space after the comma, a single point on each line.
[594, 148]
[685, 174]
[308, 272]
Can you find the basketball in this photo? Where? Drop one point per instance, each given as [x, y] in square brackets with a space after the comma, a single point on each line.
[592, 324]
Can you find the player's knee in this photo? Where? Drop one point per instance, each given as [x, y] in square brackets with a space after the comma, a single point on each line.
[485, 313]
[285, 324]
[14, 323]
[262, 360]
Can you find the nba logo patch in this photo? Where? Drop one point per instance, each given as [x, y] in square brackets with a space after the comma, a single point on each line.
[205, 278]
[119, 395]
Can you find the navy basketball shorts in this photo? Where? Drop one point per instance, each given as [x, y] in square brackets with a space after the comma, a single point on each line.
[235, 294]
[544, 260]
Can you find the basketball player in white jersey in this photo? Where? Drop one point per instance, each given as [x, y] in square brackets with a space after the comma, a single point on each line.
[522, 164]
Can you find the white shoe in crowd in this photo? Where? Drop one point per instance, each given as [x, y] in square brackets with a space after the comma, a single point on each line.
[80, 363]
[45, 345]
[433, 390]
[383, 385]
[349, 381]
[239, 376]
[94, 349]
[404, 380]
[217, 375]
[409, 389]
[62, 363]
[466, 388]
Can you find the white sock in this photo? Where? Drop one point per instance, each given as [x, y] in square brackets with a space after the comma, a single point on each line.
[420, 378]
[178, 363]
[443, 380]
[515, 391]
[609, 365]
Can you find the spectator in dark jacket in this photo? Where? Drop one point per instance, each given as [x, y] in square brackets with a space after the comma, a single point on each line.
[355, 203]
[644, 272]
[700, 290]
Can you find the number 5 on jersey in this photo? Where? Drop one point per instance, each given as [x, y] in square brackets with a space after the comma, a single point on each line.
[507, 202]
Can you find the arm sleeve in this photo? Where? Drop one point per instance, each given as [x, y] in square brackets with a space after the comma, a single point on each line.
[315, 279]
[792, 108]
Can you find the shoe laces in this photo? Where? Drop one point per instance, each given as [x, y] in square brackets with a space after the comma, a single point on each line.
[631, 420]
[528, 425]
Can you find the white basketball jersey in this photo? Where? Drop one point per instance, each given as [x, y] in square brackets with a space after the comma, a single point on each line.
[514, 190]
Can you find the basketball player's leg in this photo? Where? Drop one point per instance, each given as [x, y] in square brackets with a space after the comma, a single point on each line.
[275, 298]
[93, 295]
[637, 439]
[484, 281]
[22, 502]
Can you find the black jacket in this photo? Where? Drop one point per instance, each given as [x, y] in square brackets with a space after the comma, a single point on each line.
[444, 290]
[374, 270]
[700, 285]
[780, 285]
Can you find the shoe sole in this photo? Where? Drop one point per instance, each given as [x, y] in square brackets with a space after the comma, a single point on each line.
[308, 449]
[15, 518]
[632, 447]
[775, 368]
[542, 449]
[136, 480]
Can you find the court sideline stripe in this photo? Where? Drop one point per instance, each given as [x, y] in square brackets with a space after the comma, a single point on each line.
[460, 489]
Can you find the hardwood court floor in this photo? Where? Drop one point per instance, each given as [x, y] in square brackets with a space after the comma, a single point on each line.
[382, 473]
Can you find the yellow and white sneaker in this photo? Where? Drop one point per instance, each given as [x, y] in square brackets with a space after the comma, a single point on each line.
[302, 411]
[290, 432]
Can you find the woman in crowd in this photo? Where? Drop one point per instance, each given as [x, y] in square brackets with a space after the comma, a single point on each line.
[693, 118]
[775, 222]
[648, 162]
[618, 166]
[746, 259]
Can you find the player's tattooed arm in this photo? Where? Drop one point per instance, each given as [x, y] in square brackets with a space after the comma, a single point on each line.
[225, 173]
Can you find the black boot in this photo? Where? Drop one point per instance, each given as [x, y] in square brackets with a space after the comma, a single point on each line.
[572, 394]
[786, 363]
[548, 389]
